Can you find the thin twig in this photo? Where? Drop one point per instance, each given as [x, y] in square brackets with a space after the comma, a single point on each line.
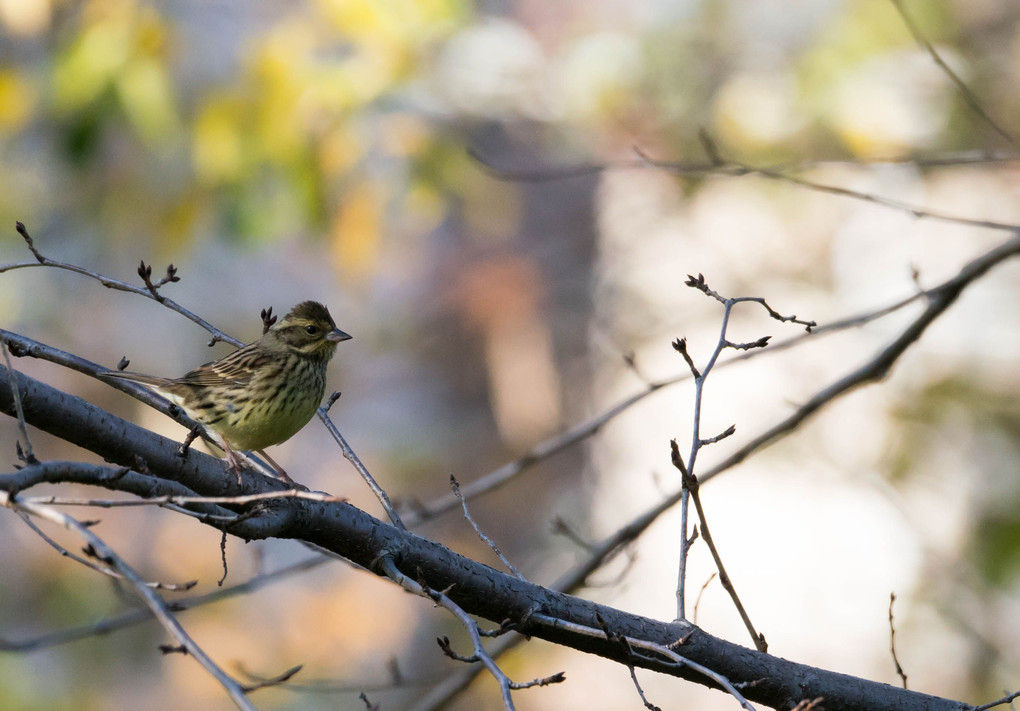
[389, 568]
[328, 686]
[641, 692]
[716, 165]
[701, 592]
[349, 455]
[915, 211]
[103, 569]
[137, 616]
[776, 173]
[28, 455]
[658, 649]
[892, 642]
[42, 261]
[694, 487]
[969, 97]
[1007, 699]
[145, 272]
[277, 680]
[688, 478]
[158, 606]
[239, 500]
[455, 485]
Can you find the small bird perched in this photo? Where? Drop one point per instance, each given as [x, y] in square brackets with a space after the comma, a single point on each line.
[262, 393]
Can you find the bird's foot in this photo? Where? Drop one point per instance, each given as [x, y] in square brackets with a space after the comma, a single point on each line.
[234, 464]
[279, 473]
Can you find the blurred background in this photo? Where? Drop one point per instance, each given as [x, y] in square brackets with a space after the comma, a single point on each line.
[276, 152]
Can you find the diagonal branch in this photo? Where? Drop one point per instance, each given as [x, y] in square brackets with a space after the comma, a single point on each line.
[156, 604]
[139, 615]
[98, 567]
[479, 589]
[968, 95]
[42, 261]
[544, 450]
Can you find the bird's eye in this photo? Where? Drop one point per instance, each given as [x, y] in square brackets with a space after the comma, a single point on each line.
[311, 330]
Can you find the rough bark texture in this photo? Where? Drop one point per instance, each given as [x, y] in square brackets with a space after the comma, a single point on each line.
[479, 589]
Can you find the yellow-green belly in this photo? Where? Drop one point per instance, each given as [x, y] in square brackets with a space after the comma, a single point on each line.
[260, 423]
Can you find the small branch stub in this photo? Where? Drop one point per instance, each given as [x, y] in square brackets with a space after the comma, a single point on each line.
[699, 283]
[680, 346]
[23, 231]
[721, 436]
[145, 272]
[760, 343]
[268, 319]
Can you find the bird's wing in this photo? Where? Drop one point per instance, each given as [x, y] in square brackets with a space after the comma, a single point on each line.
[238, 369]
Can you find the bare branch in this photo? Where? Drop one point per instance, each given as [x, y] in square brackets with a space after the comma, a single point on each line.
[455, 485]
[239, 500]
[387, 566]
[42, 261]
[1007, 699]
[680, 346]
[137, 616]
[892, 642]
[701, 592]
[656, 649]
[555, 444]
[98, 548]
[736, 168]
[349, 455]
[103, 569]
[694, 487]
[28, 456]
[729, 431]
[969, 97]
[808, 325]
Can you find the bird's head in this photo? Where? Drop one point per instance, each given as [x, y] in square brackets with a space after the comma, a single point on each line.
[308, 329]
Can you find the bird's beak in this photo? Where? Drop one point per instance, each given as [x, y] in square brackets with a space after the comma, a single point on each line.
[336, 335]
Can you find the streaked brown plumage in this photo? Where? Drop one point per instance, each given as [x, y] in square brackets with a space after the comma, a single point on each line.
[264, 392]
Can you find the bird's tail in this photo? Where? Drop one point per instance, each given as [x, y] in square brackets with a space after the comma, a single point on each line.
[137, 377]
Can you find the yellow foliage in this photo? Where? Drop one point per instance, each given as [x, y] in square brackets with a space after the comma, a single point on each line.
[356, 230]
[17, 100]
[120, 47]
[403, 134]
[217, 146]
[396, 21]
[148, 100]
[89, 65]
[339, 150]
[280, 72]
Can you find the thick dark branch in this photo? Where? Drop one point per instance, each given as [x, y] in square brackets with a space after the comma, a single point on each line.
[480, 590]
[120, 442]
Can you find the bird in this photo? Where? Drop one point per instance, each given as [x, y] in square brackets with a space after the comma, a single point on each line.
[262, 393]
